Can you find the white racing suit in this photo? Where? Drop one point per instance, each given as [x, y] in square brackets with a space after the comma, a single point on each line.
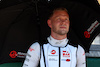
[55, 53]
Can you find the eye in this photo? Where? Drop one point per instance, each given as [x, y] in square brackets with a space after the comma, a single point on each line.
[66, 19]
[58, 19]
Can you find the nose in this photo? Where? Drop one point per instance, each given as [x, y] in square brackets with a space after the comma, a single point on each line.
[63, 21]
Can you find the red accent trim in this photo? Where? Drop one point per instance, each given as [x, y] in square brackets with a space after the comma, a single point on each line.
[93, 27]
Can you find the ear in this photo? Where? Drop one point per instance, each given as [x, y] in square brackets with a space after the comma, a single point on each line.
[49, 23]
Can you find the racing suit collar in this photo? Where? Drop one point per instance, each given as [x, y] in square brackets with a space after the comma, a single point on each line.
[58, 43]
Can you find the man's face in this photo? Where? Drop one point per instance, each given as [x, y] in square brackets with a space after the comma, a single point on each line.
[59, 22]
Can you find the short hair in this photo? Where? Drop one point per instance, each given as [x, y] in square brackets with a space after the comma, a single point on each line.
[57, 9]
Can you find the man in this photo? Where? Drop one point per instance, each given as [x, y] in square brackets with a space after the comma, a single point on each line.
[58, 51]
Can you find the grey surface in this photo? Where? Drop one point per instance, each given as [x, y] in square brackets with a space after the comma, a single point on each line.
[94, 51]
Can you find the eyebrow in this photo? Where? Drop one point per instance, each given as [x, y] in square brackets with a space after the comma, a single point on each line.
[62, 15]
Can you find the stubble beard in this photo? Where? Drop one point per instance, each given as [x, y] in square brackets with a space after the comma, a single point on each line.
[60, 32]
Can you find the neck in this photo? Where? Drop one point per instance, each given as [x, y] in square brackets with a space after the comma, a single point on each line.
[59, 37]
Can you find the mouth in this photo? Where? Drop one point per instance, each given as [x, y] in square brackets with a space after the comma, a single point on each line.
[63, 27]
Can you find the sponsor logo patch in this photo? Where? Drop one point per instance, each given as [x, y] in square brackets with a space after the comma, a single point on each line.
[67, 60]
[53, 52]
[91, 29]
[87, 34]
[31, 49]
[14, 54]
[52, 59]
[66, 54]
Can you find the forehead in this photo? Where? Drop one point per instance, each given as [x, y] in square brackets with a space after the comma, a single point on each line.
[59, 13]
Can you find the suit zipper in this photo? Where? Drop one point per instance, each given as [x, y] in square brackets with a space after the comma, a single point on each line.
[59, 57]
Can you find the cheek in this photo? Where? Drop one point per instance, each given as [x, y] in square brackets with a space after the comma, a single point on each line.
[68, 24]
[55, 26]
